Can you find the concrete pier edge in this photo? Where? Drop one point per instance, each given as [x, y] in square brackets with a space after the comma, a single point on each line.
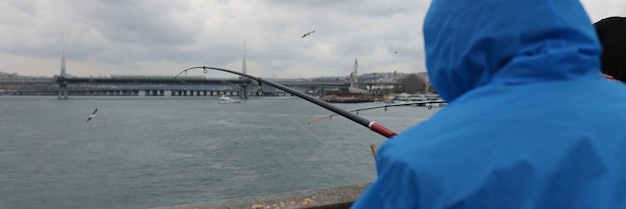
[329, 198]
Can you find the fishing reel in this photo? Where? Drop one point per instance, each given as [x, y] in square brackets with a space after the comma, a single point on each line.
[259, 90]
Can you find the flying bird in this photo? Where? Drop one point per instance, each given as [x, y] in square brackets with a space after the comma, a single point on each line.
[93, 115]
[307, 34]
[395, 52]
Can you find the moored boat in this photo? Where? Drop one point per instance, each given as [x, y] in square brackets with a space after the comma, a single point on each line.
[346, 99]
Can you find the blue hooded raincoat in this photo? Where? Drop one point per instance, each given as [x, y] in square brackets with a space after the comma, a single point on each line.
[530, 122]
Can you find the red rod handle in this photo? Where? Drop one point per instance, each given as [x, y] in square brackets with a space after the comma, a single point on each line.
[381, 130]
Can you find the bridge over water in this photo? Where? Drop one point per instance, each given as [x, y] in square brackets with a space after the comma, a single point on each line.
[131, 85]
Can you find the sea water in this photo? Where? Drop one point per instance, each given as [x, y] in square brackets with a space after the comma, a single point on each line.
[147, 152]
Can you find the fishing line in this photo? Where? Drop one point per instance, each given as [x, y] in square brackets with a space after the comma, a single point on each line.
[371, 125]
[319, 139]
[311, 133]
[321, 175]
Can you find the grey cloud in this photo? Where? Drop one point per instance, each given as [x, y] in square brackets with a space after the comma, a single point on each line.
[138, 21]
[211, 32]
[118, 32]
[354, 7]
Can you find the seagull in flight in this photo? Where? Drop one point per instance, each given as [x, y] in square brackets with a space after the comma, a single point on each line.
[93, 115]
[307, 34]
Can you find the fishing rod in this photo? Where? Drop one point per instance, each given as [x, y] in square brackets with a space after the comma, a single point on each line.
[380, 106]
[372, 125]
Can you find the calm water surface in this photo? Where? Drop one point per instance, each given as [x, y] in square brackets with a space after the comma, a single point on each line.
[142, 152]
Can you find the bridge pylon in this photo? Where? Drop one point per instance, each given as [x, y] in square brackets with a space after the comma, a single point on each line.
[61, 78]
[63, 90]
[243, 91]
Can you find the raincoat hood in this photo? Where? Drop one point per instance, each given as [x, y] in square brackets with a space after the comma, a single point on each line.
[470, 44]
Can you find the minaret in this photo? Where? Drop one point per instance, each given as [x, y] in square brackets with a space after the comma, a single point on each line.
[356, 65]
[354, 73]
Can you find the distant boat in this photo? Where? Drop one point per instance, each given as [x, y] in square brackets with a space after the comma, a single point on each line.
[227, 100]
[407, 98]
[431, 105]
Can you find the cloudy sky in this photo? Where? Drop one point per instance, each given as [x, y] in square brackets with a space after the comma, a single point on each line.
[163, 37]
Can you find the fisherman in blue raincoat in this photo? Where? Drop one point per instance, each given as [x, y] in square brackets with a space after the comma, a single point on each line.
[530, 123]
